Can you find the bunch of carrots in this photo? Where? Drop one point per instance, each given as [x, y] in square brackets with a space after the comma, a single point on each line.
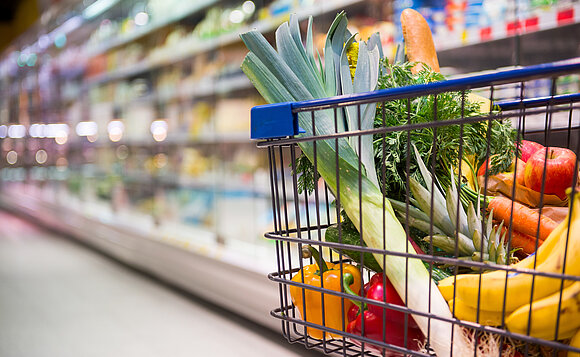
[529, 229]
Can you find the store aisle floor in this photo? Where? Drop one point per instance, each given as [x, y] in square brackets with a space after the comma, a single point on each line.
[58, 298]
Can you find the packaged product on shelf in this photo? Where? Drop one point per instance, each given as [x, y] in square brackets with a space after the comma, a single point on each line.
[96, 65]
[232, 115]
[198, 118]
[194, 163]
[231, 56]
[196, 207]
[166, 88]
[137, 114]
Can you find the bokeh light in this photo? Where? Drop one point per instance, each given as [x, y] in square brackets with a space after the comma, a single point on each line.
[61, 138]
[159, 130]
[41, 156]
[160, 160]
[141, 19]
[16, 131]
[87, 128]
[249, 7]
[122, 152]
[236, 16]
[60, 40]
[115, 129]
[12, 157]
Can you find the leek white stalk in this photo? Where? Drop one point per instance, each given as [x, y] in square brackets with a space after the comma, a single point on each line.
[292, 75]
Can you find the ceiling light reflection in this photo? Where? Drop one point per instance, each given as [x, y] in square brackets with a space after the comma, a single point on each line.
[55, 130]
[159, 130]
[16, 131]
[87, 128]
[249, 7]
[141, 19]
[236, 16]
[115, 129]
[36, 130]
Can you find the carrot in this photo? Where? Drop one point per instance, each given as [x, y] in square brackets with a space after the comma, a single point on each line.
[524, 220]
[524, 241]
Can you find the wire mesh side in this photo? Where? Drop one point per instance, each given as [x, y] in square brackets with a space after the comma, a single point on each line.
[304, 216]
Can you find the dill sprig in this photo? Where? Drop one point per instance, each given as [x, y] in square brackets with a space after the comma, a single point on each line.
[391, 147]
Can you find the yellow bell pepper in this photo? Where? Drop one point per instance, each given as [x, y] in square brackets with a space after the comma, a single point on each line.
[352, 57]
[329, 277]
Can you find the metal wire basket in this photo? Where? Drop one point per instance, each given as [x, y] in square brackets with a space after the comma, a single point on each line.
[302, 217]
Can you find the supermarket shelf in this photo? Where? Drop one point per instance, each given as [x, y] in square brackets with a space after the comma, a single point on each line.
[193, 47]
[496, 47]
[172, 140]
[209, 87]
[180, 14]
[539, 21]
[206, 87]
[205, 269]
[220, 186]
[500, 53]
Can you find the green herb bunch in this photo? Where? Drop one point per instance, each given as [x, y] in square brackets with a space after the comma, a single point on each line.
[391, 148]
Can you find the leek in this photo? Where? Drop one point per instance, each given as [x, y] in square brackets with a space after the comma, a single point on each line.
[292, 74]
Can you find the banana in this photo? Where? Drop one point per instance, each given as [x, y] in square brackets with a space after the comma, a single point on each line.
[575, 342]
[519, 285]
[484, 103]
[446, 286]
[544, 313]
[562, 335]
[468, 313]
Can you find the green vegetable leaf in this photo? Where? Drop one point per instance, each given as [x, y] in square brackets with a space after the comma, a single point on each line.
[391, 148]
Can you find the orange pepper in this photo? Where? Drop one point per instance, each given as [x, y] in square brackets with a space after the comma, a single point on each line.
[335, 311]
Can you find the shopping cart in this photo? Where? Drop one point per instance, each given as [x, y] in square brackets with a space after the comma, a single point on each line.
[302, 216]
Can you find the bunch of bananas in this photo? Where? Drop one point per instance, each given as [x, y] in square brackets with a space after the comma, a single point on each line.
[554, 311]
[452, 227]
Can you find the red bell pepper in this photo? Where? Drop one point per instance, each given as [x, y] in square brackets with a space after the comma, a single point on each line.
[376, 318]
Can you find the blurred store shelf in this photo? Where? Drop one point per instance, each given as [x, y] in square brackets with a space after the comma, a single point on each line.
[177, 13]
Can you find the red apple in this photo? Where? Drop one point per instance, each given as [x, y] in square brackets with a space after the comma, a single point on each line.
[528, 148]
[560, 165]
[521, 168]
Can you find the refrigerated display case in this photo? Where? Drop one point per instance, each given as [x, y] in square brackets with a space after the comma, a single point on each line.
[126, 124]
